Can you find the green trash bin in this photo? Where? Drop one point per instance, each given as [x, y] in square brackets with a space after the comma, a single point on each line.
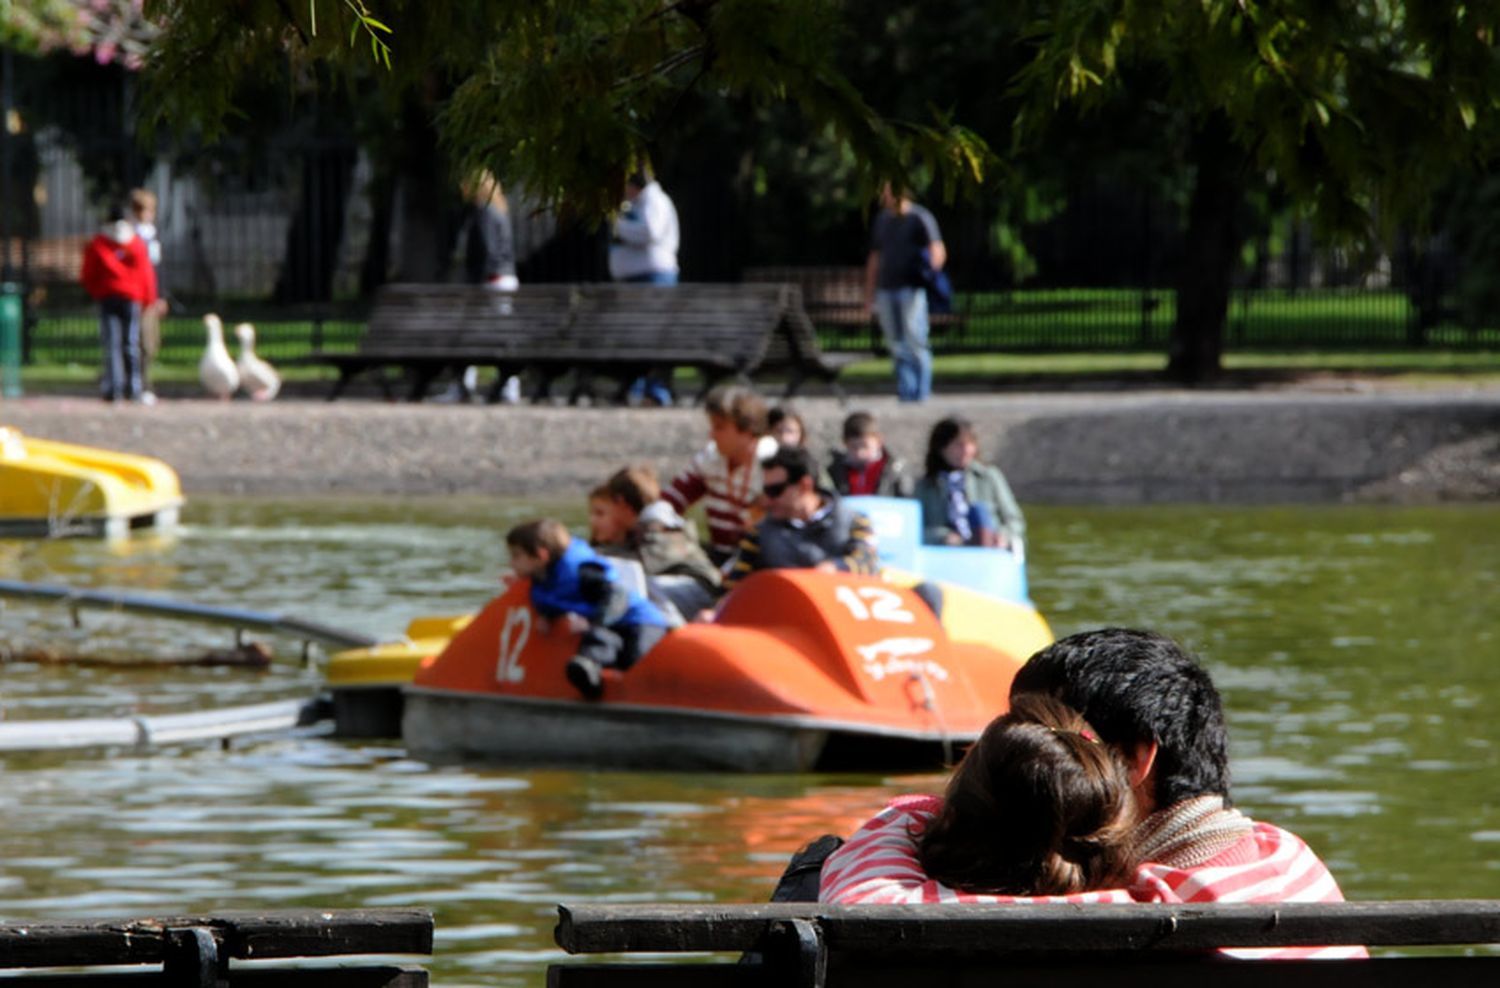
[10, 340]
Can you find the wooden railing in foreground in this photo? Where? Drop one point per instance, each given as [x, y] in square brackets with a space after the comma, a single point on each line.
[1057, 946]
[197, 951]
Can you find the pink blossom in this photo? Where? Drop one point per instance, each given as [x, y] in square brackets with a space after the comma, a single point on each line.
[105, 53]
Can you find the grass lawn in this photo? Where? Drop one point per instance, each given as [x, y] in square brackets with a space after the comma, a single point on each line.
[1411, 368]
[1033, 338]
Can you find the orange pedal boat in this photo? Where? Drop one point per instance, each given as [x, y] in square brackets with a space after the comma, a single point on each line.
[802, 671]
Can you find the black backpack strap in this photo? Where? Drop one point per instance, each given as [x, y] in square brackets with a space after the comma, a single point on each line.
[799, 882]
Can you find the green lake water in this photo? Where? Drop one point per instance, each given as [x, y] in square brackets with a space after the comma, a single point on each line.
[1356, 647]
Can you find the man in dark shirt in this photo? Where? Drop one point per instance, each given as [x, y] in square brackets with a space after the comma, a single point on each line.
[902, 234]
[804, 527]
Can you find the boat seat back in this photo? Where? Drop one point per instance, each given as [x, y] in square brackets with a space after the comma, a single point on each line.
[992, 571]
[632, 575]
[898, 533]
[898, 528]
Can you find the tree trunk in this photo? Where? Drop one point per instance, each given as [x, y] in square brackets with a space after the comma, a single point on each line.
[377, 262]
[1210, 251]
[424, 220]
[317, 230]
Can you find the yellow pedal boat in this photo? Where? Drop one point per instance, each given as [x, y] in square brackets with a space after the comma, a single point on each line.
[52, 489]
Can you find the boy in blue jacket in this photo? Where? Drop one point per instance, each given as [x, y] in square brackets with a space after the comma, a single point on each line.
[571, 582]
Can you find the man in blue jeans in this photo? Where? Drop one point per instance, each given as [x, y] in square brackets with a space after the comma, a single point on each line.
[904, 238]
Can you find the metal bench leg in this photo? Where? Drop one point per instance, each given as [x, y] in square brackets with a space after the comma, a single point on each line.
[583, 384]
[421, 380]
[492, 396]
[543, 393]
[794, 383]
[345, 376]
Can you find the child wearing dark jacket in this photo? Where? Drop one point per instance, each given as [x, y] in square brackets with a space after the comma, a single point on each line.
[573, 583]
[864, 465]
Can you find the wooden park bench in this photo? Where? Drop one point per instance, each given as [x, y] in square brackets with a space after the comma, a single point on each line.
[618, 331]
[834, 297]
[805, 945]
[197, 951]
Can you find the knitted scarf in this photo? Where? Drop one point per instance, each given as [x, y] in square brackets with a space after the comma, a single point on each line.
[1191, 832]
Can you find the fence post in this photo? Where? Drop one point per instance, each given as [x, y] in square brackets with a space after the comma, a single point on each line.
[10, 340]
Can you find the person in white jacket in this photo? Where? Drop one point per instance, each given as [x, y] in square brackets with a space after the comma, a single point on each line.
[644, 245]
[644, 250]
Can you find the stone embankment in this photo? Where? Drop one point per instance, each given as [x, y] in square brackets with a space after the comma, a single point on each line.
[1098, 448]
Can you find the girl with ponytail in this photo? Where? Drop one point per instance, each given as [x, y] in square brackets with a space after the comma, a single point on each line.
[1037, 808]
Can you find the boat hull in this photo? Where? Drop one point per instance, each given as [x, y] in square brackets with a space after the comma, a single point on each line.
[368, 711]
[444, 726]
[447, 726]
[366, 683]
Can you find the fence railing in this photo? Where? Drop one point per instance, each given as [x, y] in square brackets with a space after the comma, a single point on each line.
[1061, 320]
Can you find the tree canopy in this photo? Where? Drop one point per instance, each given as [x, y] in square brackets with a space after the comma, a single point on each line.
[1357, 111]
[561, 96]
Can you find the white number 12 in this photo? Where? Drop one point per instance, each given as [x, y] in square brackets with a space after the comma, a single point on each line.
[884, 605]
[514, 634]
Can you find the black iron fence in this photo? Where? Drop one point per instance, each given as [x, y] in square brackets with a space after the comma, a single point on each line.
[293, 231]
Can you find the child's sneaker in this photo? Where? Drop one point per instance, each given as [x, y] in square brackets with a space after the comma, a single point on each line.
[586, 677]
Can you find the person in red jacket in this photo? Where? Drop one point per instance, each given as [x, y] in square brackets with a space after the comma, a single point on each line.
[117, 272]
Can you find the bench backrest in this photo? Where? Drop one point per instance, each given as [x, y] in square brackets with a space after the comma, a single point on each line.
[196, 950]
[1051, 945]
[728, 325]
[425, 317]
[733, 324]
[826, 290]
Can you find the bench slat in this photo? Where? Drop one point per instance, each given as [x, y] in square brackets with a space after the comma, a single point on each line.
[1100, 927]
[301, 933]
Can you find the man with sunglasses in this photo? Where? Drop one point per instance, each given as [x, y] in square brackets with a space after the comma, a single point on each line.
[805, 527]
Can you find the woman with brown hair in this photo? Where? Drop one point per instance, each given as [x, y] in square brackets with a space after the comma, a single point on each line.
[1038, 807]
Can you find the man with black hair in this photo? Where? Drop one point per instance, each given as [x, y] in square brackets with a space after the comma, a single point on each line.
[805, 527]
[905, 243]
[1150, 700]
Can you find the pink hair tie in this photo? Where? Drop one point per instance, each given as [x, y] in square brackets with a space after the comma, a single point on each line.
[1088, 735]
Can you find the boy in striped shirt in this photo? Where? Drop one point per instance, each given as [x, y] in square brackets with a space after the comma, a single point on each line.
[725, 475]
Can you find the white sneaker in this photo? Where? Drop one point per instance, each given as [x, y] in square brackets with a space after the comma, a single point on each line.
[146, 398]
[511, 392]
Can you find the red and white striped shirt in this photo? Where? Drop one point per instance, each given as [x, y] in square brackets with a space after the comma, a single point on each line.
[727, 494]
[879, 865]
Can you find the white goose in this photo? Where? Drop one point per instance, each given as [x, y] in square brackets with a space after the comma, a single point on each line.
[258, 378]
[216, 370]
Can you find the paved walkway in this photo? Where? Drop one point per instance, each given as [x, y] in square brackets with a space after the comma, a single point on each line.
[1288, 444]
